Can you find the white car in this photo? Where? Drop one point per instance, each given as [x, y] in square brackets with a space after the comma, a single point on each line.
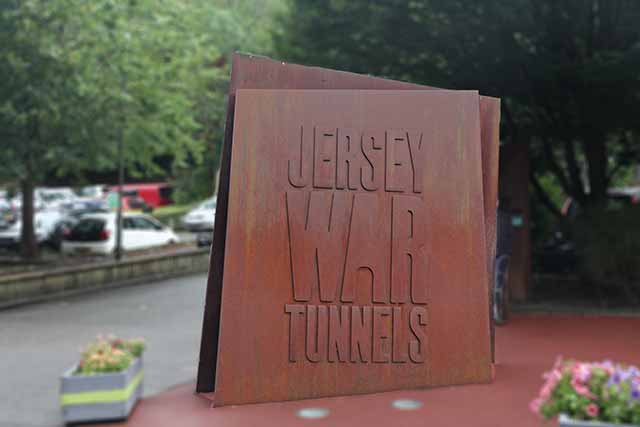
[5, 209]
[38, 203]
[202, 217]
[54, 197]
[96, 234]
[44, 223]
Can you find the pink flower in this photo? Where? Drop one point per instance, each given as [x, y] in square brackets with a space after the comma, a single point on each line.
[558, 363]
[545, 392]
[581, 389]
[535, 405]
[592, 410]
[582, 372]
[554, 374]
[552, 379]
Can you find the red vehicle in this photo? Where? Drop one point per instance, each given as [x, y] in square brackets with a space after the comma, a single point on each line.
[154, 194]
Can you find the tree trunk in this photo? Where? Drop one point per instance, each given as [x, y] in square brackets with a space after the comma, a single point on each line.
[595, 152]
[28, 242]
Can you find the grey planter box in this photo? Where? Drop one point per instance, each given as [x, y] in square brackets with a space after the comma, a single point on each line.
[101, 397]
[565, 421]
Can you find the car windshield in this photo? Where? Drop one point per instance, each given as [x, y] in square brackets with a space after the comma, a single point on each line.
[88, 226]
[210, 204]
[88, 230]
[53, 196]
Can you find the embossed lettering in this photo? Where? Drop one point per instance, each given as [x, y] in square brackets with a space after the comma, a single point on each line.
[361, 324]
[316, 333]
[372, 172]
[338, 333]
[324, 157]
[381, 334]
[318, 223]
[358, 247]
[408, 259]
[300, 168]
[349, 157]
[369, 159]
[417, 159]
[400, 346]
[296, 329]
[418, 320]
[398, 176]
[367, 270]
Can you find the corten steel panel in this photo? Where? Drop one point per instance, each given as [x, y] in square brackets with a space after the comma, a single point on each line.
[355, 259]
[252, 72]
[490, 136]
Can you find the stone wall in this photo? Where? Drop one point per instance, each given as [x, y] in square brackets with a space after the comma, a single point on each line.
[23, 288]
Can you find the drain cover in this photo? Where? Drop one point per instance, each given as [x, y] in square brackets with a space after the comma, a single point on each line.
[406, 404]
[313, 413]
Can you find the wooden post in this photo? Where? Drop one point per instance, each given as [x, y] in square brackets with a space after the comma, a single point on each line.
[514, 187]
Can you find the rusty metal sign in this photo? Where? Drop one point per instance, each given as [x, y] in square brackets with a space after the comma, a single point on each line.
[259, 72]
[355, 257]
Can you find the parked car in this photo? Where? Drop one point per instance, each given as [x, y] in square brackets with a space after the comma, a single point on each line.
[54, 197]
[204, 239]
[202, 217]
[85, 204]
[617, 198]
[96, 234]
[7, 214]
[625, 195]
[44, 225]
[38, 202]
[10, 236]
[70, 219]
[62, 229]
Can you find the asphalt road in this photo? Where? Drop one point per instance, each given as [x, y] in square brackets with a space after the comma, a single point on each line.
[39, 342]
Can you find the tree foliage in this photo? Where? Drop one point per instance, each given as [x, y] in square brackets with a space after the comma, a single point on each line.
[247, 26]
[78, 77]
[568, 72]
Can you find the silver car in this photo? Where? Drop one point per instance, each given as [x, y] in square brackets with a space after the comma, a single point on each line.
[202, 217]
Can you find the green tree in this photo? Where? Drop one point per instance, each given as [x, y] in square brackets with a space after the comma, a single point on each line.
[37, 91]
[568, 72]
[79, 77]
[230, 25]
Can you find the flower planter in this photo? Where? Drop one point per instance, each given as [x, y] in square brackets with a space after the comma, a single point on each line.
[100, 397]
[565, 421]
[590, 390]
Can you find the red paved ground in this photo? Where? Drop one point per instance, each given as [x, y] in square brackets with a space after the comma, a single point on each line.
[526, 347]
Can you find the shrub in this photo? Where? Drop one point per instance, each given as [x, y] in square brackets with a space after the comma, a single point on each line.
[595, 391]
[609, 242]
[109, 355]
